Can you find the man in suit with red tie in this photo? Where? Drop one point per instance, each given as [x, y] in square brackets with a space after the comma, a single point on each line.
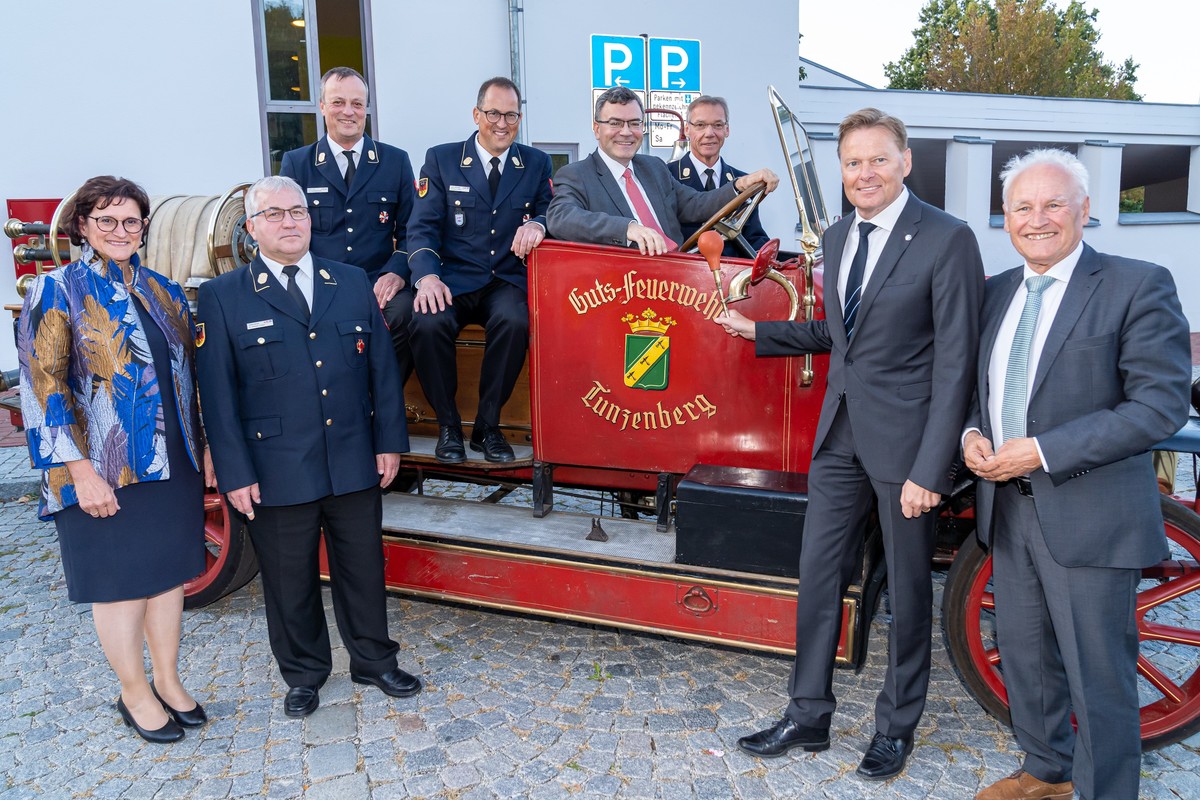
[616, 196]
[903, 285]
[703, 168]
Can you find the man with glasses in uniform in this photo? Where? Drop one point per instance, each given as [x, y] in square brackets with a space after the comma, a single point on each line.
[702, 168]
[616, 196]
[480, 209]
[359, 194]
[296, 379]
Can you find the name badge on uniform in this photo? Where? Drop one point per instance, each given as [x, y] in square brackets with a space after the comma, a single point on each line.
[262, 323]
[317, 189]
[454, 188]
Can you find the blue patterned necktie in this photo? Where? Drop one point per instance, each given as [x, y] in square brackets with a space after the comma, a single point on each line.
[1016, 377]
[855, 279]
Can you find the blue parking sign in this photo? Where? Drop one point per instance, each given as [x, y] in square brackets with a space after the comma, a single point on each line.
[675, 65]
[618, 61]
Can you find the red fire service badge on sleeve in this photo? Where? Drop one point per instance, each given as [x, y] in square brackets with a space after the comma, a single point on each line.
[422, 187]
[360, 345]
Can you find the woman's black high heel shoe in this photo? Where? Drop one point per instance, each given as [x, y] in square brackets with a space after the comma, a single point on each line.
[171, 732]
[188, 719]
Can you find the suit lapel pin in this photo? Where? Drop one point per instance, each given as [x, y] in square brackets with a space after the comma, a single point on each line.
[320, 158]
[371, 156]
[908, 237]
[466, 162]
[262, 277]
[687, 172]
[516, 161]
[324, 274]
[729, 177]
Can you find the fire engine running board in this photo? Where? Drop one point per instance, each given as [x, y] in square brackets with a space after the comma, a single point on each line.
[502, 557]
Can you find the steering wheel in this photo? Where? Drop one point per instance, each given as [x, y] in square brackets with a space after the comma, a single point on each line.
[731, 218]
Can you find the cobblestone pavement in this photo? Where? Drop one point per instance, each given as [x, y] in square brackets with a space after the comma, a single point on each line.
[513, 707]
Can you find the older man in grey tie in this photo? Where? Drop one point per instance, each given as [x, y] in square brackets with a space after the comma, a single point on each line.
[1084, 364]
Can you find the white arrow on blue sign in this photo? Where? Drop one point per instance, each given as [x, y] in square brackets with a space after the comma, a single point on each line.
[675, 65]
[619, 61]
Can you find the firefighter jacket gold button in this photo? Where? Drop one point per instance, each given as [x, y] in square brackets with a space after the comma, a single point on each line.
[261, 340]
[312, 335]
[328, 422]
[324, 393]
[318, 363]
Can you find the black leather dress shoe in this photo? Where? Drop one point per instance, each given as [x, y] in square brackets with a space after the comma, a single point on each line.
[491, 442]
[885, 757]
[301, 701]
[395, 682]
[450, 448]
[171, 732]
[188, 719]
[783, 736]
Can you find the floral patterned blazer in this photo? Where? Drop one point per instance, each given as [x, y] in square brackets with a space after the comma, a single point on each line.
[88, 384]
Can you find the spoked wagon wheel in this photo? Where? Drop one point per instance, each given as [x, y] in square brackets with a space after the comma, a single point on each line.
[1168, 608]
[229, 561]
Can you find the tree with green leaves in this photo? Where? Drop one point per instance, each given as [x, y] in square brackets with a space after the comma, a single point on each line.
[1027, 47]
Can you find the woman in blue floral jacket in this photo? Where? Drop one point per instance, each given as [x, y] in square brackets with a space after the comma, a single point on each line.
[108, 396]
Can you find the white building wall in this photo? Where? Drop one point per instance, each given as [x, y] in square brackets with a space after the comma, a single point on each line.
[941, 115]
[162, 93]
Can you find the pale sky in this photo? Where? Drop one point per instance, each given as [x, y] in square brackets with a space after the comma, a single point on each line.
[857, 38]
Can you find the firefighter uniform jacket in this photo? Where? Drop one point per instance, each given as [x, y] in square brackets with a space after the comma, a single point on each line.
[300, 408]
[462, 234]
[364, 226]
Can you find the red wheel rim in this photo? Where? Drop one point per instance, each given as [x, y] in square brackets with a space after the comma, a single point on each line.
[1169, 658]
[216, 536]
[984, 654]
[1167, 637]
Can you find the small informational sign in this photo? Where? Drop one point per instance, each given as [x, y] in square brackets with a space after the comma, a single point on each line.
[664, 128]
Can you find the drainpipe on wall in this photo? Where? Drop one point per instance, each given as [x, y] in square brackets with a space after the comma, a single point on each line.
[516, 32]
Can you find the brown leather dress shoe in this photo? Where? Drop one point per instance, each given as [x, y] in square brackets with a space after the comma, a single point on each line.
[1023, 786]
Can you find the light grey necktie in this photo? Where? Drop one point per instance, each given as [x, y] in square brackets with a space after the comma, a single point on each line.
[1016, 377]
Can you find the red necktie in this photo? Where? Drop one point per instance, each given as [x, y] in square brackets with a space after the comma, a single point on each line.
[642, 208]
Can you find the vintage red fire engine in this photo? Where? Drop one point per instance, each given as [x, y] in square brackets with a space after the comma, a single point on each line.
[631, 389]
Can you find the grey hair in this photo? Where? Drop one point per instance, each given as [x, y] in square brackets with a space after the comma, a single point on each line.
[1045, 155]
[271, 183]
[708, 100]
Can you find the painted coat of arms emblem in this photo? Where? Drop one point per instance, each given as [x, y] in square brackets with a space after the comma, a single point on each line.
[647, 350]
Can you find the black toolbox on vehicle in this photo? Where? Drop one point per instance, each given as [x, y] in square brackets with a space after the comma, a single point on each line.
[748, 520]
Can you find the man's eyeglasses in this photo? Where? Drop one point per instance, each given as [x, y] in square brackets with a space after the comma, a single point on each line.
[109, 224]
[615, 124]
[299, 213]
[701, 127]
[511, 117]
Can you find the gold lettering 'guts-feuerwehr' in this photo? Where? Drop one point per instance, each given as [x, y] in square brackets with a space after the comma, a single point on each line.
[632, 288]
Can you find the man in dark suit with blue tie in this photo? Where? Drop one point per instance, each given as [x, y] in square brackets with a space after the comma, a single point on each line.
[360, 195]
[703, 168]
[617, 196]
[480, 209]
[300, 413]
[903, 285]
[1084, 364]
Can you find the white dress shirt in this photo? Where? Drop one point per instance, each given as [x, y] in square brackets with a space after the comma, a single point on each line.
[304, 277]
[340, 159]
[884, 222]
[618, 173]
[485, 158]
[1052, 297]
[718, 173]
